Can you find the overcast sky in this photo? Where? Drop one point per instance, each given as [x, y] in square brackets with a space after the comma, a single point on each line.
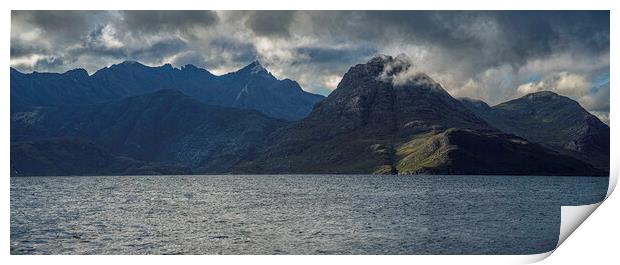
[493, 56]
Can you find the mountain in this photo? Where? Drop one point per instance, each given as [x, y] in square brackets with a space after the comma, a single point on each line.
[161, 127]
[74, 87]
[74, 156]
[252, 87]
[383, 118]
[374, 122]
[553, 120]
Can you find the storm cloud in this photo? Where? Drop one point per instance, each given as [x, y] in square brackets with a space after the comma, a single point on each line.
[490, 55]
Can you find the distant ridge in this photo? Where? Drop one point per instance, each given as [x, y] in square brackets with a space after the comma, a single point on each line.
[251, 87]
[553, 120]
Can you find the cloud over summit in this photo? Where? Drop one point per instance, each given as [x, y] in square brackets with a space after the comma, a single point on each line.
[489, 55]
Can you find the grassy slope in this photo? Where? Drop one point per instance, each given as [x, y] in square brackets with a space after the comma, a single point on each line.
[468, 152]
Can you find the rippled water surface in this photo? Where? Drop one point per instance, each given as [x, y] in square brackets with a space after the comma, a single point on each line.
[285, 214]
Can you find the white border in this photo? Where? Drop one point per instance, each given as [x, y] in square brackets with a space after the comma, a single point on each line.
[583, 248]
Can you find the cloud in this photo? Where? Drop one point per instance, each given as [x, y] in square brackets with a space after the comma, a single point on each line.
[169, 21]
[577, 87]
[103, 37]
[350, 54]
[33, 61]
[269, 23]
[490, 55]
[563, 83]
[602, 115]
[597, 99]
[397, 70]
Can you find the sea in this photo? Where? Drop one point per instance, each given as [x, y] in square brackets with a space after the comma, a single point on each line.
[293, 214]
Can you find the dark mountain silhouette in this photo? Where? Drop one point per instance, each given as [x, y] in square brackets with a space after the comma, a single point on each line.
[74, 87]
[553, 120]
[372, 123]
[382, 118]
[164, 127]
[252, 87]
[75, 156]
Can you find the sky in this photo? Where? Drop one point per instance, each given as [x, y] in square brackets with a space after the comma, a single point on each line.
[494, 56]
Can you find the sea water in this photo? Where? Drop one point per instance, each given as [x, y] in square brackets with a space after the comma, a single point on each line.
[293, 214]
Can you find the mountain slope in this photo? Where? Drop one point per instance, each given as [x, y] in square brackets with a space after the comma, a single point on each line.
[252, 87]
[468, 152]
[74, 156]
[370, 124]
[553, 120]
[166, 127]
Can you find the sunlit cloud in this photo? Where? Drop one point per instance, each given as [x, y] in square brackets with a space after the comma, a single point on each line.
[490, 55]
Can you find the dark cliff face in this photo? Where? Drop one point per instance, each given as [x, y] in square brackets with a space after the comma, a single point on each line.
[252, 87]
[552, 120]
[383, 118]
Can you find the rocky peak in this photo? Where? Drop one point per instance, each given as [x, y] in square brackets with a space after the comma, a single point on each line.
[543, 95]
[369, 97]
[392, 66]
[191, 67]
[396, 71]
[254, 68]
[474, 102]
[381, 67]
[77, 73]
[539, 99]
[123, 66]
[130, 62]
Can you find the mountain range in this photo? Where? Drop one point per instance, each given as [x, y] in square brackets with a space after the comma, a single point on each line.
[135, 119]
[555, 121]
[252, 87]
[372, 125]
[163, 127]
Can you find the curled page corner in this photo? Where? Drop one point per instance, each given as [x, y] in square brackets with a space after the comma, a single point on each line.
[529, 259]
[613, 180]
[572, 217]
